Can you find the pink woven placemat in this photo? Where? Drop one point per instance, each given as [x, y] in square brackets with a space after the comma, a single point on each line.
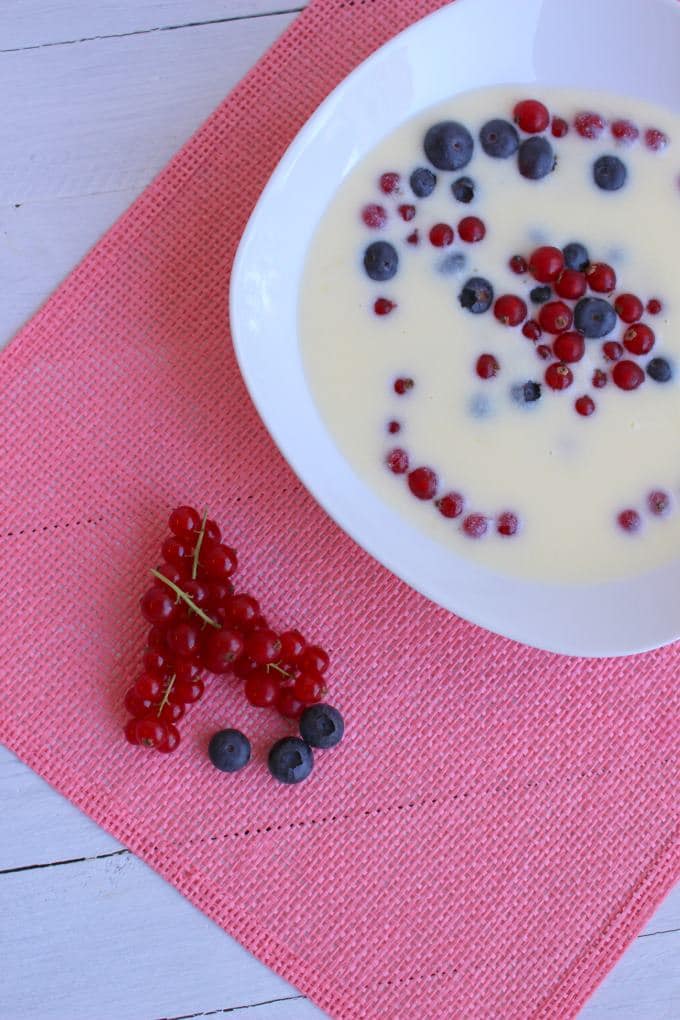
[499, 822]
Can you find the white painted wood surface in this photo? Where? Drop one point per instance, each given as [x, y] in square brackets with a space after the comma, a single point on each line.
[95, 98]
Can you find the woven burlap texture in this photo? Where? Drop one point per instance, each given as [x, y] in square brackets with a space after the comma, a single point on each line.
[499, 822]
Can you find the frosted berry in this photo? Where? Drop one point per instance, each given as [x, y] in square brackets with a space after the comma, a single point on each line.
[451, 505]
[510, 310]
[601, 278]
[397, 461]
[389, 183]
[422, 482]
[407, 212]
[507, 524]
[531, 116]
[658, 502]
[629, 520]
[571, 284]
[471, 229]
[546, 264]
[569, 347]
[374, 216]
[487, 366]
[475, 525]
[590, 125]
[639, 339]
[558, 376]
[555, 317]
[625, 131]
[627, 375]
[628, 307]
[585, 406]
[655, 139]
[612, 350]
[441, 235]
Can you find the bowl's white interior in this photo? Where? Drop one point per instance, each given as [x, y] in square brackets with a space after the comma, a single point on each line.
[625, 46]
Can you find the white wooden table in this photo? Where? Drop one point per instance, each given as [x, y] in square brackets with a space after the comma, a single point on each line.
[95, 97]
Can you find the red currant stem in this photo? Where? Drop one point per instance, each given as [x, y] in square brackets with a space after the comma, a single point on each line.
[279, 669]
[166, 695]
[197, 547]
[185, 598]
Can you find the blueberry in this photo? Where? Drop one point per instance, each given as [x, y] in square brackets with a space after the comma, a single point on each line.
[576, 256]
[422, 182]
[594, 317]
[453, 263]
[609, 173]
[526, 393]
[463, 189]
[229, 750]
[659, 370]
[536, 158]
[476, 295]
[499, 138]
[322, 726]
[381, 260]
[448, 145]
[539, 295]
[290, 760]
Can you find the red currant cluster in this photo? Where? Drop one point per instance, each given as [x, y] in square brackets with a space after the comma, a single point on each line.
[199, 624]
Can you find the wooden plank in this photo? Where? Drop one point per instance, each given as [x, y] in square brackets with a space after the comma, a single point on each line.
[41, 22]
[74, 158]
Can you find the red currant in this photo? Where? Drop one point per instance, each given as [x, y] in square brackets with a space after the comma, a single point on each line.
[654, 306]
[559, 376]
[544, 353]
[625, 131]
[156, 639]
[531, 116]
[571, 284]
[560, 127]
[156, 662]
[288, 705]
[314, 658]
[407, 212]
[389, 183]
[627, 375]
[263, 646]
[451, 505]
[184, 640]
[402, 385]
[531, 330]
[261, 688]
[158, 606]
[397, 461]
[487, 366]
[569, 347]
[555, 317]
[171, 741]
[130, 731]
[243, 667]
[374, 216]
[292, 646]
[184, 521]
[441, 235]
[177, 575]
[309, 687]
[629, 520]
[422, 482]
[219, 592]
[599, 379]
[198, 592]
[510, 310]
[655, 139]
[218, 562]
[211, 532]
[518, 264]
[136, 706]
[413, 238]
[383, 306]
[628, 307]
[148, 687]
[584, 406]
[150, 732]
[507, 524]
[639, 339]
[221, 648]
[601, 278]
[186, 670]
[546, 264]
[612, 350]
[393, 427]
[177, 551]
[471, 229]
[186, 692]
[658, 502]
[589, 124]
[243, 610]
[171, 712]
[475, 525]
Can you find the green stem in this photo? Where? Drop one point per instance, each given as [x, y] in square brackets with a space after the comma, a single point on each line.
[185, 598]
[166, 695]
[279, 669]
[197, 547]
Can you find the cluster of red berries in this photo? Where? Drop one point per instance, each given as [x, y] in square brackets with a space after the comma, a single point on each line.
[565, 344]
[423, 483]
[657, 504]
[533, 117]
[199, 624]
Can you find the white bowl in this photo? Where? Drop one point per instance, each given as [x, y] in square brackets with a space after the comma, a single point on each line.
[626, 46]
